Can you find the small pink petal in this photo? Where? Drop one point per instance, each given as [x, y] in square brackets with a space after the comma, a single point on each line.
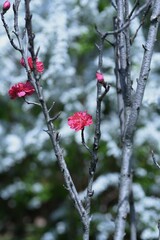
[21, 94]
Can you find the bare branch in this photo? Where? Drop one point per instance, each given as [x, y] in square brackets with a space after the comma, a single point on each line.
[15, 10]
[141, 23]
[55, 117]
[133, 9]
[8, 34]
[113, 2]
[129, 130]
[127, 23]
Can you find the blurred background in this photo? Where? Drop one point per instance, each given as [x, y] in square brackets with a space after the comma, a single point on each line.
[34, 203]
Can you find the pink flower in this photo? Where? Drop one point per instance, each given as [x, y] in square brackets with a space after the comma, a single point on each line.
[21, 90]
[99, 77]
[6, 6]
[39, 65]
[79, 120]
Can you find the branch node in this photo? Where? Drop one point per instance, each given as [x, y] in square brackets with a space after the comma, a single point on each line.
[91, 193]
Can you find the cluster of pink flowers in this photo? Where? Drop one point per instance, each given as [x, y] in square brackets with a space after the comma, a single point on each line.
[25, 89]
[79, 120]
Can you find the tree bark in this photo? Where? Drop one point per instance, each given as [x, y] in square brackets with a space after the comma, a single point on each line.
[125, 177]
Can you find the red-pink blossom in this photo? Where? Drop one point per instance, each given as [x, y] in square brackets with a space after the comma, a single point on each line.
[6, 6]
[79, 120]
[39, 65]
[99, 77]
[21, 90]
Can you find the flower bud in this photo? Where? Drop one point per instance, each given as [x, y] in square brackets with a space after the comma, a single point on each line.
[99, 77]
[6, 6]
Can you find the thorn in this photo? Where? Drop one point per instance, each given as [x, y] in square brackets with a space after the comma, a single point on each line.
[37, 52]
[90, 194]
[144, 47]
[47, 131]
[154, 159]
[55, 117]
[51, 107]
[97, 46]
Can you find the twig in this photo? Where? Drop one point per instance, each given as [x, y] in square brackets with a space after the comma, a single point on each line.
[133, 9]
[127, 23]
[120, 101]
[154, 159]
[97, 134]
[37, 52]
[84, 143]
[55, 117]
[104, 93]
[50, 109]
[16, 25]
[113, 2]
[141, 24]
[8, 34]
[34, 103]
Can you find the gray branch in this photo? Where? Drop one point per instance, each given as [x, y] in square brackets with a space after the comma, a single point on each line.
[53, 134]
[131, 124]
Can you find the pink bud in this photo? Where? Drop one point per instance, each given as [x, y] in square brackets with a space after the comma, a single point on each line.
[22, 62]
[99, 77]
[6, 6]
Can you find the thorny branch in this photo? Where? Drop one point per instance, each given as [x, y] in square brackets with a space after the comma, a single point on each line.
[53, 134]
